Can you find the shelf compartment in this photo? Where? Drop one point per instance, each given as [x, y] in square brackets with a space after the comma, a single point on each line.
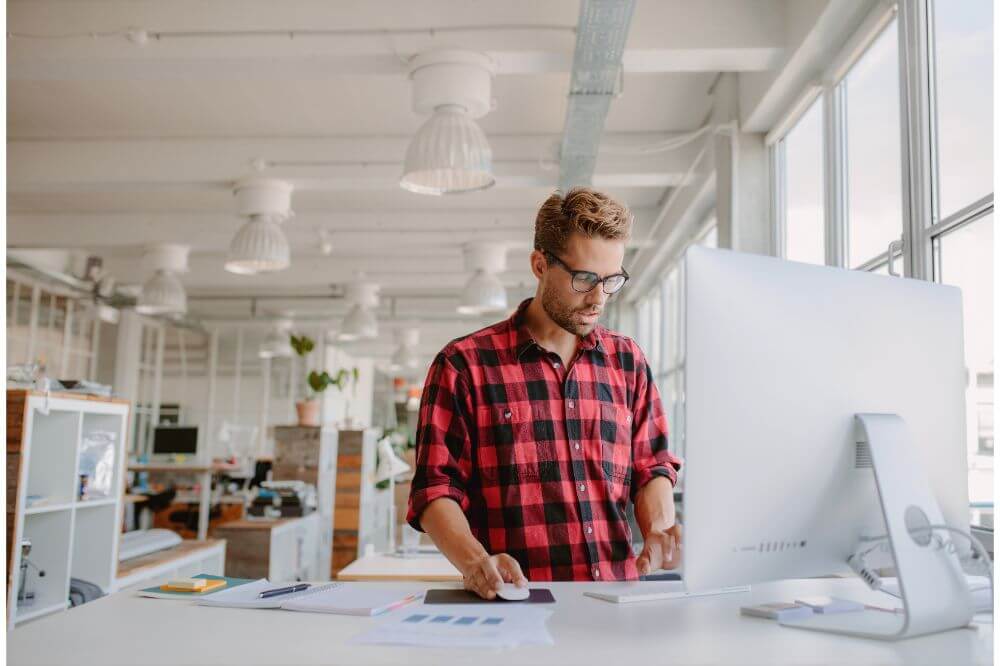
[50, 535]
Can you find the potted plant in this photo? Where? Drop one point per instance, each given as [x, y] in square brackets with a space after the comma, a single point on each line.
[307, 408]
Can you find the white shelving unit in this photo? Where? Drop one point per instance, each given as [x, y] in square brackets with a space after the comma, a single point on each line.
[70, 537]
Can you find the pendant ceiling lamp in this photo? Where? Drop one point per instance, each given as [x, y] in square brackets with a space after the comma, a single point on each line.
[260, 245]
[163, 293]
[277, 344]
[406, 357]
[360, 322]
[450, 154]
[484, 293]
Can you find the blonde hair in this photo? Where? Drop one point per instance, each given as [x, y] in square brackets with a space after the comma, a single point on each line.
[581, 210]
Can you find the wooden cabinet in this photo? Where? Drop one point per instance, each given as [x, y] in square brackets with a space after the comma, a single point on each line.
[281, 550]
[342, 465]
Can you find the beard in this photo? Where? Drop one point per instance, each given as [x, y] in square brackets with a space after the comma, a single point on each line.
[564, 316]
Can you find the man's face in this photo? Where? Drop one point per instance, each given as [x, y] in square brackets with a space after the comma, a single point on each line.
[574, 311]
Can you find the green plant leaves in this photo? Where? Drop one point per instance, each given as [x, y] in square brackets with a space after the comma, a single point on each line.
[302, 344]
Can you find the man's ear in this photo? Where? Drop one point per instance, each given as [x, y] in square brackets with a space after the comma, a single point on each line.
[538, 264]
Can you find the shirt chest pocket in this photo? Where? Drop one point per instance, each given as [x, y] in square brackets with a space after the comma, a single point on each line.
[515, 445]
[614, 430]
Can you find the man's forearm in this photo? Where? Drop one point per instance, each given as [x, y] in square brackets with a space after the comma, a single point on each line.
[654, 506]
[445, 521]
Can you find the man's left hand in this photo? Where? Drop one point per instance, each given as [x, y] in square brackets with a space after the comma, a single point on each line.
[662, 550]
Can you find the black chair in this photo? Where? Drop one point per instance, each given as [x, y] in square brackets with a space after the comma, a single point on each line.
[156, 502]
[188, 517]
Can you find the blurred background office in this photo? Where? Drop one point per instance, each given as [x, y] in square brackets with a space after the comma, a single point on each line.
[236, 219]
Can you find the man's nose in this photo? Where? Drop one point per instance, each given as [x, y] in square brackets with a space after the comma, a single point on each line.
[596, 296]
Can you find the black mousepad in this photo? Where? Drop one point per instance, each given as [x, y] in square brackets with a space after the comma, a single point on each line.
[538, 596]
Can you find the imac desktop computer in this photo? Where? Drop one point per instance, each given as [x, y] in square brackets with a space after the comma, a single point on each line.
[824, 410]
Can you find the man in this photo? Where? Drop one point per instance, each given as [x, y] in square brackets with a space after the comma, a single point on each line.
[536, 432]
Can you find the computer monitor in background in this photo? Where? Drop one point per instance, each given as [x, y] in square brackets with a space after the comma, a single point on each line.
[780, 357]
[175, 440]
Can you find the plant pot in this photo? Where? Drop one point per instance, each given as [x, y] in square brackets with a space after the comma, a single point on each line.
[308, 411]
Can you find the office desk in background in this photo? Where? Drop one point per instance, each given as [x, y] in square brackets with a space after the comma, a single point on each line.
[124, 629]
[381, 567]
[204, 473]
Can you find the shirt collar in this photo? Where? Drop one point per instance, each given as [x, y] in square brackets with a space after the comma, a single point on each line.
[522, 341]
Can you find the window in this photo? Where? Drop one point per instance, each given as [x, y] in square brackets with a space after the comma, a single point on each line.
[961, 235]
[874, 168]
[859, 146]
[661, 314]
[803, 170]
[963, 69]
[964, 258]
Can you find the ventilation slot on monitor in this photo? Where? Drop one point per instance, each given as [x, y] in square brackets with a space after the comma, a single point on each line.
[862, 456]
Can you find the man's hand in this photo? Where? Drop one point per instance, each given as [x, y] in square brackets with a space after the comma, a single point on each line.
[488, 574]
[662, 550]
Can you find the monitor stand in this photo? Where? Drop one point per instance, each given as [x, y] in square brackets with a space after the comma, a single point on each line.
[933, 587]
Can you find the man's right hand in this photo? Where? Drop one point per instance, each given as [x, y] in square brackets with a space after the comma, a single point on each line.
[488, 574]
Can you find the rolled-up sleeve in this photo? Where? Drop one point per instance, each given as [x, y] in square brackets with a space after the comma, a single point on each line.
[443, 461]
[650, 457]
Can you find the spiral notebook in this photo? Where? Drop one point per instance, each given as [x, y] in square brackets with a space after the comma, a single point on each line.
[339, 598]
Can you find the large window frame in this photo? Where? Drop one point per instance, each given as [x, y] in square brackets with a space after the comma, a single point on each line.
[923, 226]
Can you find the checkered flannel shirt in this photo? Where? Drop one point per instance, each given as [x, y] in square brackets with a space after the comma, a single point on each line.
[542, 460]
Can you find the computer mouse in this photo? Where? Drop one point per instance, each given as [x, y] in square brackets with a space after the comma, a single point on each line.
[511, 592]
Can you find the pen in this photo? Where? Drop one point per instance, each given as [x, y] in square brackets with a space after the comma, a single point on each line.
[283, 590]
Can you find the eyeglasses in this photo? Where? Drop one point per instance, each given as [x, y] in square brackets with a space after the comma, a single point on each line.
[585, 281]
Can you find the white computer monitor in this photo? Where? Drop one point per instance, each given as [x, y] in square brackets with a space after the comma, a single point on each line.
[779, 358]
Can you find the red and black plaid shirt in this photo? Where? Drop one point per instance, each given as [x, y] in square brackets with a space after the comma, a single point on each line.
[542, 460]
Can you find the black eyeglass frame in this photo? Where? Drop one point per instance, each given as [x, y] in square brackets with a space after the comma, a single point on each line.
[589, 276]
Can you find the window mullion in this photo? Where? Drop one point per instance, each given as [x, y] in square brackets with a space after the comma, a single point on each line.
[779, 199]
[835, 174]
[917, 140]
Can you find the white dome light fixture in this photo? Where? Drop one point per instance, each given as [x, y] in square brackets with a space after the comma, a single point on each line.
[484, 293]
[260, 245]
[360, 322]
[277, 344]
[405, 358]
[163, 293]
[450, 154]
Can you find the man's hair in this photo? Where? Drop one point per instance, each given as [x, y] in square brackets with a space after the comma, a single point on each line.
[581, 210]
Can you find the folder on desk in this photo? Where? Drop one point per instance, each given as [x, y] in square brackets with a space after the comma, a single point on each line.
[158, 592]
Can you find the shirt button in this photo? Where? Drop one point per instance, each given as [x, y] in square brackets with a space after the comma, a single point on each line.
[582, 487]
[506, 414]
[571, 404]
[590, 530]
[577, 446]
[597, 572]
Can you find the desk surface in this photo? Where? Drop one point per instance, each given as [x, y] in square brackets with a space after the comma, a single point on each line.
[380, 567]
[124, 629]
[183, 467]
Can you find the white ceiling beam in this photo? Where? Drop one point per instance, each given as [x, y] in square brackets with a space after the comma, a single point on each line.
[708, 35]
[355, 234]
[326, 68]
[320, 164]
[816, 31]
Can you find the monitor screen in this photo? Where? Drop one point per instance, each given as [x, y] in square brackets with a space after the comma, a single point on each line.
[175, 439]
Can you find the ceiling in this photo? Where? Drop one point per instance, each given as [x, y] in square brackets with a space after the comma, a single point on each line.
[113, 144]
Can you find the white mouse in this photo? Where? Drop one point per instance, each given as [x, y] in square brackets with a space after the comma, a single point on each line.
[511, 592]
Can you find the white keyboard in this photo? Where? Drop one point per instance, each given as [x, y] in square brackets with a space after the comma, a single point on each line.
[628, 593]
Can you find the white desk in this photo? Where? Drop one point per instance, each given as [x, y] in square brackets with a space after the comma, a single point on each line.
[380, 567]
[124, 629]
